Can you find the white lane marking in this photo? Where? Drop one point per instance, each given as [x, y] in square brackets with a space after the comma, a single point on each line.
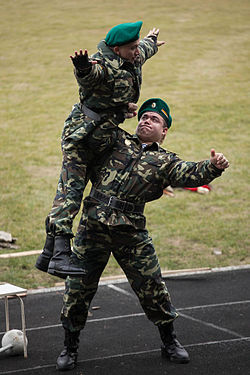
[213, 305]
[120, 290]
[211, 325]
[140, 314]
[123, 279]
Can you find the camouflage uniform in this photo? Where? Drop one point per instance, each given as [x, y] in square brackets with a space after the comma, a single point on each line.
[107, 89]
[137, 175]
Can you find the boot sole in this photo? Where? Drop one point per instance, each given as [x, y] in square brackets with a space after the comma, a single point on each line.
[58, 368]
[55, 273]
[63, 274]
[174, 360]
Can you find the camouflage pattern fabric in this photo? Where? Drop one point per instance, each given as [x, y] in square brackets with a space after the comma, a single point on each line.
[78, 154]
[114, 82]
[111, 84]
[136, 257]
[139, 175]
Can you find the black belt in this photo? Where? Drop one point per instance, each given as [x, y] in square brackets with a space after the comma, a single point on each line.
[117, 113]
[116, 203]
[88, 112]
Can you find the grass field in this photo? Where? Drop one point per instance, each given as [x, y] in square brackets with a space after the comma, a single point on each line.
[203, 74]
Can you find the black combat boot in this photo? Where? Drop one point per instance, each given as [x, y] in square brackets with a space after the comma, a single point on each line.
[43, 260]
[67, 360]
[171, 348]
[62, 264]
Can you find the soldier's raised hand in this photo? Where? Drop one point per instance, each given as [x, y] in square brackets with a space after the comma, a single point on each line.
[154, 33]
[81, 61]
[218, 160]
[131, 112]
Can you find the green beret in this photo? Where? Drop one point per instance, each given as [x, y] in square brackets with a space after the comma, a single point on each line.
[156, 105]
[123, 34]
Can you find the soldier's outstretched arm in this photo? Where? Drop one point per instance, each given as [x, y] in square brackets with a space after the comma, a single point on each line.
[149, 45]
[181, 173]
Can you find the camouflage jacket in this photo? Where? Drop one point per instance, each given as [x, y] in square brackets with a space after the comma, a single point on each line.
[139, 175]
[114, 82]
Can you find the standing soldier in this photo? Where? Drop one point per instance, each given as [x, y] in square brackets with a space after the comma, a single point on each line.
[135, 172]
[109, 82]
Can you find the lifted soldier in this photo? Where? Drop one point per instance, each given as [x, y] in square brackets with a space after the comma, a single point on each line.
[109, 83]
[135, 172]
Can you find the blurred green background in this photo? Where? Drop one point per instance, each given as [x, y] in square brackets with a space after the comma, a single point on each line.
[203, 74]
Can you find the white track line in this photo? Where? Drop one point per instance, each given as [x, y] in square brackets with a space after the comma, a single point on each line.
[211, 325]
[141, 314]
[120, 290]
[167, 274]
[213, 305]
[125, 355]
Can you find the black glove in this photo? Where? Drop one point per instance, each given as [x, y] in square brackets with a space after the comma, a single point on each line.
[81, 62]
[154, 37]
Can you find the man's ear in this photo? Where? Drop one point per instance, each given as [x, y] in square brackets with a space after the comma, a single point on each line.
[164, 132]
[116, 50]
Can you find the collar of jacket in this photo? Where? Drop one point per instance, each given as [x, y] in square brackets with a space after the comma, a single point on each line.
[153, 147]
[114, 60]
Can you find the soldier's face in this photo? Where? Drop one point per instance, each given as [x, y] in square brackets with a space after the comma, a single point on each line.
[151, 128]
[128, 51]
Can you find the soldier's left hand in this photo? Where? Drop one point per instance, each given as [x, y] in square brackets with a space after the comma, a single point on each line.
[154, 34]
[218, 160]
[130, 114]
[132, 107]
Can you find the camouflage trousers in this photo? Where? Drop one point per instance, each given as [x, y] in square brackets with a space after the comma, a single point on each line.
[83, 140]
[135, 253]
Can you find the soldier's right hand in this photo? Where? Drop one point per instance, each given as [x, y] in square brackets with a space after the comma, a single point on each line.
[81, 61]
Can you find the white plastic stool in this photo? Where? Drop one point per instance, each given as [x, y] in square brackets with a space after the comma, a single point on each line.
[8, 290]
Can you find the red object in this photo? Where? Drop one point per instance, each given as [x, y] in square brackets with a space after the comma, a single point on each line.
[195, 189]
